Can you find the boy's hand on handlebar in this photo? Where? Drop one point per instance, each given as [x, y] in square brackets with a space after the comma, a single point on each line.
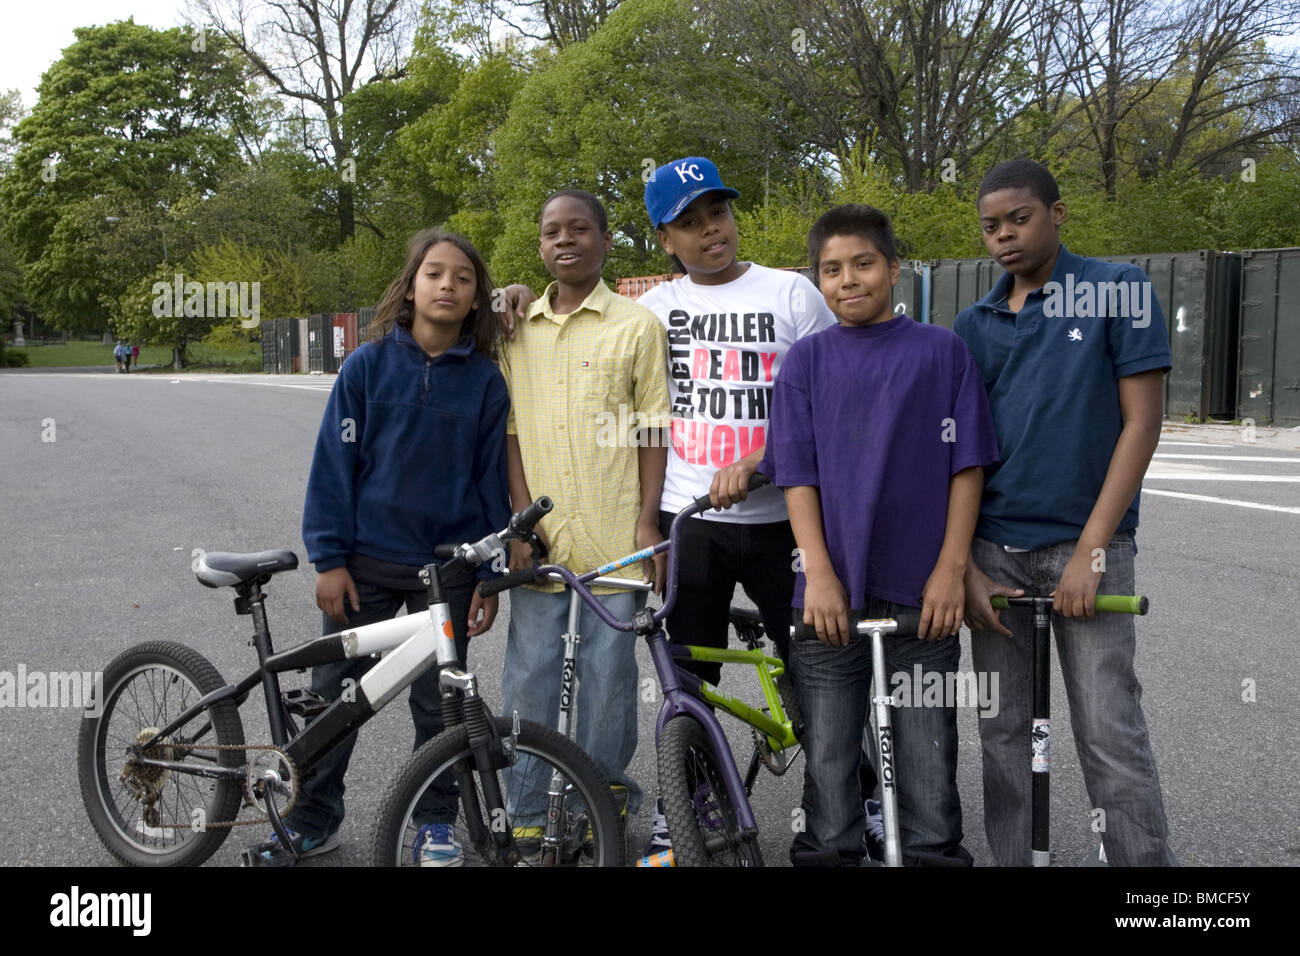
[332, 587]
[655, 569]
[826, 607]
[521, 556]
[1076, 592]
[943, 600]
[482, 612]
[731, 484]
[980, 615]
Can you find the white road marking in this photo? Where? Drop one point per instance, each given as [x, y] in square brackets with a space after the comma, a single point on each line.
[1236, 502]
[1195, 444]
[1293, 461]
[1207, 476]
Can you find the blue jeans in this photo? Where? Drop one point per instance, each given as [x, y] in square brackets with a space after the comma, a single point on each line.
[1110, 731]
[606, 712]
[834, 685]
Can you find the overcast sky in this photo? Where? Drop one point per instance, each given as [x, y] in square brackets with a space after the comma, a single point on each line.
[36, 31]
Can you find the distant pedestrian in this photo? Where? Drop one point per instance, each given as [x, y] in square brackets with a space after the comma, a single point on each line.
[119, 355]
[135, 355]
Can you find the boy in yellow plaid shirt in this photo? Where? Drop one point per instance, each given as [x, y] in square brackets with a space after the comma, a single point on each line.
[584, 362]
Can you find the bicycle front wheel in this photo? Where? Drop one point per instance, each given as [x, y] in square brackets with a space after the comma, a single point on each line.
[147, 815]
[701, 817]
[557, 806]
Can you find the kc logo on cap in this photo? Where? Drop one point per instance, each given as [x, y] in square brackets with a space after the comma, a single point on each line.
[674, 186]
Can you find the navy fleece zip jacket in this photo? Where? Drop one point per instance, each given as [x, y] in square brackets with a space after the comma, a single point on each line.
[411, 454]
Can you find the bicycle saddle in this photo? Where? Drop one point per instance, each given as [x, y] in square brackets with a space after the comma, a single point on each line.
[225, 568]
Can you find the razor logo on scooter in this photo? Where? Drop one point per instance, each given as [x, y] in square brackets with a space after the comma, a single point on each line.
[566, 682]
[886, 744]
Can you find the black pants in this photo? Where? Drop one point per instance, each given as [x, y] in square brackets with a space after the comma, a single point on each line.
[715, 556]
[319, 810]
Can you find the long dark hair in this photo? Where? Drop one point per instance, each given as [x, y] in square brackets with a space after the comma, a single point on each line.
[395, 309]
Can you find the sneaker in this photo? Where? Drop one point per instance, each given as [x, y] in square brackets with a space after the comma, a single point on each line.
[659, 838]
[874, 835]
[435, 845]
[306, 846]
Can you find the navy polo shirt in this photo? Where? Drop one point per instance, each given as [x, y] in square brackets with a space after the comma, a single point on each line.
[1052, 374]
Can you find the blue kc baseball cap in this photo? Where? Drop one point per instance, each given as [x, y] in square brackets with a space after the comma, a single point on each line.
[674, 186]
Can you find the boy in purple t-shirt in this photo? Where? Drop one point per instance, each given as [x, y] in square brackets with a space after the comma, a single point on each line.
[880, 431]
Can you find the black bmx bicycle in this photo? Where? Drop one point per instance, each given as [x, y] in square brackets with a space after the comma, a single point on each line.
[165, 769]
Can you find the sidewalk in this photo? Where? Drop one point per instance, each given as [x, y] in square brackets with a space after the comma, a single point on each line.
[1238, 436]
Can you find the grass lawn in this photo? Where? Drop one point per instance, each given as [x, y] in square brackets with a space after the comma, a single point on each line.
[244, 358]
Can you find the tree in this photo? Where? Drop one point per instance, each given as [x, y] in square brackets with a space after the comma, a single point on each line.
[315, 53]
[559, 22]
[646, 88]
[128, 114]
[1189, 82]
[925, 86]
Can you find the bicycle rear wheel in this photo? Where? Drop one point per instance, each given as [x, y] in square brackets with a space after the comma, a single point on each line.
[440, 785]
[701, 817]
[144, 689]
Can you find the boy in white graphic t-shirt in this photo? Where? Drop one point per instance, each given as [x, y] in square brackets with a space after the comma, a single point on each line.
[729, 325]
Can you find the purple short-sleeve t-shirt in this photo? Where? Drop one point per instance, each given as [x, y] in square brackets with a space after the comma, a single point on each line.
[879, 418]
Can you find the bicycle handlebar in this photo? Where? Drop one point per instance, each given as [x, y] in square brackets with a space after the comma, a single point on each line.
[523, 522]
[1113, 603]
[756, 481]
[507, 581]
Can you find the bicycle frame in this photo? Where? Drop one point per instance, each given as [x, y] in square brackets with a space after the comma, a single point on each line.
[414, 641]
[684, 692]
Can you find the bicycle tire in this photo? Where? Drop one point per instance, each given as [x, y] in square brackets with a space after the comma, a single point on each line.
[395, 830]
[145, 686]
[701, 817]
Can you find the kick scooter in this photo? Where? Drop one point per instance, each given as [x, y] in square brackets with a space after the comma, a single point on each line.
[908, 622]
[1040, 733]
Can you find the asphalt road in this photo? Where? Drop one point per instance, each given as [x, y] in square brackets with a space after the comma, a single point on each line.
[100, 524]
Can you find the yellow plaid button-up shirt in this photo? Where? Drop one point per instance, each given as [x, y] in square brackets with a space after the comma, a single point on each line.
[577, 383]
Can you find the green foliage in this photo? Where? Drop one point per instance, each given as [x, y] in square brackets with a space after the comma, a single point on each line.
[127, 111]
[12, 294]
[642, 91]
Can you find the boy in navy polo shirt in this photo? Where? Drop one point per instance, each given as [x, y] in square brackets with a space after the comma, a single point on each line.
[1073, 353]
[880, 428]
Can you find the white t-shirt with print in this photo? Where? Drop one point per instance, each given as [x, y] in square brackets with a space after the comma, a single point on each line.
[726, 344]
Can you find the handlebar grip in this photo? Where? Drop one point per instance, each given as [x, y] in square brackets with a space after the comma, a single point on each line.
[445, 551]
[523, 522]
[1123, 603]
[756, 481]
[506, 582]
[908, 621]
[1114, 603]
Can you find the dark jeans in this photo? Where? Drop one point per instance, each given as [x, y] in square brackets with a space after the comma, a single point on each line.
[834, 685]
[319, 810]
[715, 556]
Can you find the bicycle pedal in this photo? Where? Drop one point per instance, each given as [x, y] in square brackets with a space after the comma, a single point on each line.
[304, 703]
[270, 853]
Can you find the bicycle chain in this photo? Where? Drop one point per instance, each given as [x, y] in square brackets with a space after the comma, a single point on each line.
[248, 799]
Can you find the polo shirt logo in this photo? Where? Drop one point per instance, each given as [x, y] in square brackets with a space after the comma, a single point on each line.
[1074, 335]
[1086, 299]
